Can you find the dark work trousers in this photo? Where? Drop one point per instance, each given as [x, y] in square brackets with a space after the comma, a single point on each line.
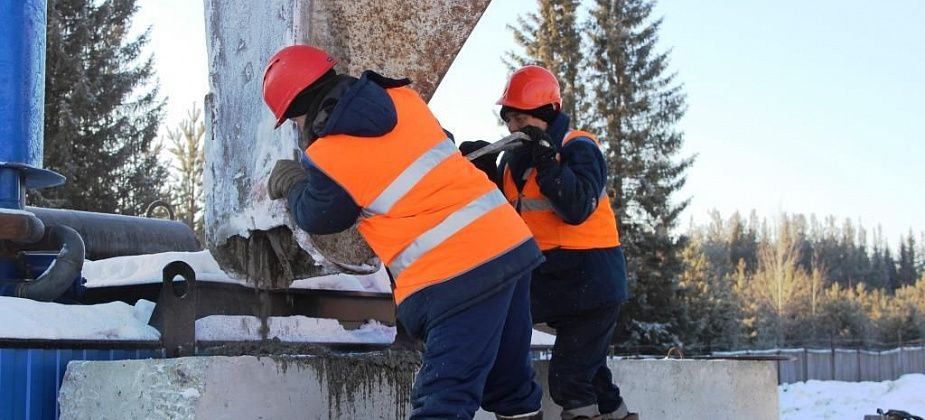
[479, 356]
[579, 379]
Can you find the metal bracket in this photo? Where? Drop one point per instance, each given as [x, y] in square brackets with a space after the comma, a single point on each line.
[175, 313]
[179, 305]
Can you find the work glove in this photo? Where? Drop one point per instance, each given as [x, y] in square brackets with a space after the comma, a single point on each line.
[487, 163]
[285, 174]
[541, 148]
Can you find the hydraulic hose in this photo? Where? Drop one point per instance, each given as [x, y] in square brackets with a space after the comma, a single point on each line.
[63, 270]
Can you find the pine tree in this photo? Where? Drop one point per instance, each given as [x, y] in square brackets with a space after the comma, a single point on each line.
[102, 109]
[743, 242]
[907, 271]
[707, 319]
[637, 105]
[890, 276]
[875, 278]
[840, 315]
[552, 39]
[187, 150]
[920, 268]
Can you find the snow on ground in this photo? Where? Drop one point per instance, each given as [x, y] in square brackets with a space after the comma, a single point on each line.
[813, 400]
[542, 339]
[141, 269]
[295, 329]
[24, 318]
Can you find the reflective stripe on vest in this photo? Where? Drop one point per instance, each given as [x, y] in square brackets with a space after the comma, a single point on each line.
[410, 176]
[539, 204]
[599, 230]
[427, 212]
[449, 226]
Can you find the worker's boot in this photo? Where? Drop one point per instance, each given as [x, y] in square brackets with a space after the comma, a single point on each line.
[536, 415]
[621, 413]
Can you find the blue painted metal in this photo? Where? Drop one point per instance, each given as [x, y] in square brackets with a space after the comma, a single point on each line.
[22, 64]
[22, 110]
[31, 377]
[9, 269]
[10, 187]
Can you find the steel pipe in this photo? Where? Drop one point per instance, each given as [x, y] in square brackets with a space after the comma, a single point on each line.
[61, 274]
[113, 235]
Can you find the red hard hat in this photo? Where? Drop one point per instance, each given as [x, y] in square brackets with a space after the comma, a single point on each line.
[289, 72]
[531, 87]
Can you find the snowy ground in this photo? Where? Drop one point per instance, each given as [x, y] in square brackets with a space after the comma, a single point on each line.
[813, 400]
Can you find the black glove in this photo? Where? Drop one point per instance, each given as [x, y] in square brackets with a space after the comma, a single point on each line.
[285, 174]
[541, 148]
[487, 163]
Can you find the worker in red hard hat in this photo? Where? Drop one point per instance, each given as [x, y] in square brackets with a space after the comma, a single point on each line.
[557, 182]
[460, 257]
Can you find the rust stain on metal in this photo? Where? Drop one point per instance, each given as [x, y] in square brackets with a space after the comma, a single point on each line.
[399, 38]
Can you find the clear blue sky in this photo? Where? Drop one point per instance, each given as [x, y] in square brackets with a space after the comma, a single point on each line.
[810, 107]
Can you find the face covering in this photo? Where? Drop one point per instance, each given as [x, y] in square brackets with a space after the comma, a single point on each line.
[320, 109]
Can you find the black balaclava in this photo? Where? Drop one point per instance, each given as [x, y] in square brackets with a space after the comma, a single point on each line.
[316, 103]
[547, 112]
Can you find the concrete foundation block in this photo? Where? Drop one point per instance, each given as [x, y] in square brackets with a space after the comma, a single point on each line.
[699, 389]
[244, 387]
[379, 387]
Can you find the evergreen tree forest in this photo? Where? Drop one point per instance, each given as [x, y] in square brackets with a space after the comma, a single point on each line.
[796, 281]
[102, 110]
[733, 283]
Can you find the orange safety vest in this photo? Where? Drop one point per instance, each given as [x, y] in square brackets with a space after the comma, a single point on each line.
[550, 231]
[428, 213]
